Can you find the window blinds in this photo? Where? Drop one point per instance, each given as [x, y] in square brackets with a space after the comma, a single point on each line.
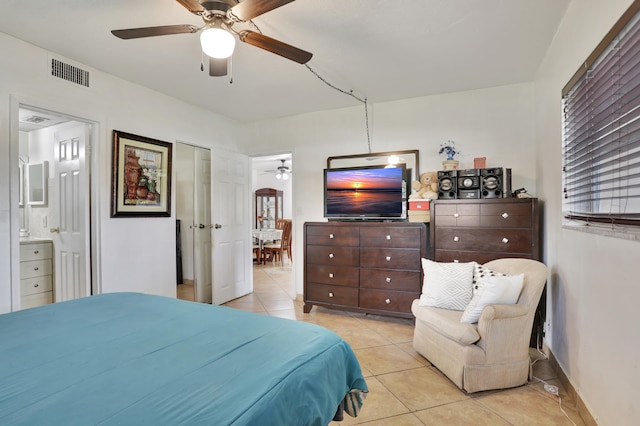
[601, 130]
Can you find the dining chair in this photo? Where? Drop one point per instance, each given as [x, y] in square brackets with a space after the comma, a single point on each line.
[274, 250]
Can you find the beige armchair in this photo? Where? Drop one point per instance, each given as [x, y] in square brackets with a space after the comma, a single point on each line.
[494, 353]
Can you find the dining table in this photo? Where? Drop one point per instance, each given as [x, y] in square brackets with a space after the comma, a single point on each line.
[265, 235]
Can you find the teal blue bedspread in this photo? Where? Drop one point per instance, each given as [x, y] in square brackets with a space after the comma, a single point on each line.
[136, 359]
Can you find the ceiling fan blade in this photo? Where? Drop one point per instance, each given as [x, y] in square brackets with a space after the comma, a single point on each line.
[274, 46]
[154, 31]
[218, 67]
[249, 9]
[192, 6]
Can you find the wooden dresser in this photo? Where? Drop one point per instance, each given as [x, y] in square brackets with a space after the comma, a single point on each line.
[364, 267]
[36, 273]
[485, 229]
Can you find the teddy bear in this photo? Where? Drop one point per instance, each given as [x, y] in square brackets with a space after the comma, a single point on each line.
[427, 188]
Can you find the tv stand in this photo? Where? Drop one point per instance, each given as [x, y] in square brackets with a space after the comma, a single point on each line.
[364, 266]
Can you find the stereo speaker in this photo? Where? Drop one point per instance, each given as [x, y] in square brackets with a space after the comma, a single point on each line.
[447, 188]
[508, 192]
[491, 183]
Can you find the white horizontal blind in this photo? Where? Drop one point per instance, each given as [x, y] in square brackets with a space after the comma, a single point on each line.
[601, 130]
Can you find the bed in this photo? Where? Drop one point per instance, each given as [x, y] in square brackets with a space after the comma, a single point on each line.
[131, 358]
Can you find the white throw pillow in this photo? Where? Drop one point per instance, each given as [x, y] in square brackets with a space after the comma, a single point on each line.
[446, 285]
[481, 271]
[492, 289]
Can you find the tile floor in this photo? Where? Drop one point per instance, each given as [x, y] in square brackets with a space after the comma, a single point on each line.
[404, 388]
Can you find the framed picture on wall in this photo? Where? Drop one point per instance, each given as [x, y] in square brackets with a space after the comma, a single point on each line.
[141, 176]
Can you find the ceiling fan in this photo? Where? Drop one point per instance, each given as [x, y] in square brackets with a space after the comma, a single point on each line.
[282, 171]
[217, 36]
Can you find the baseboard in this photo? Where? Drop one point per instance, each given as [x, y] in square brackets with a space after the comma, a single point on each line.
[187, 282]
[581, 408]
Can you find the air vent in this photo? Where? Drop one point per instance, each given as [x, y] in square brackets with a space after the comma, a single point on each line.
[69, 72]
[35, 119]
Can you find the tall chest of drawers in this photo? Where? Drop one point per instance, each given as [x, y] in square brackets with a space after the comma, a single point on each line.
[485, 229]
[364, 267]
[36, 273]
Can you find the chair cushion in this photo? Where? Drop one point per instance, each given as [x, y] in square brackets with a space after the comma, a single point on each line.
[492, 289]
[447, 285]
[446, 322]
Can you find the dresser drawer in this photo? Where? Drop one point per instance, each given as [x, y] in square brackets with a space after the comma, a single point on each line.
[35, 268]
[487, 239]
[327, 255]
[395, 301]
[333, 294]
[473, 256]
[336, 275]
[35, 251]
[389, 279]
[332, 235]
[390, 258]
[506, 215]
[34, 300]
[391, 237]
[35, 285]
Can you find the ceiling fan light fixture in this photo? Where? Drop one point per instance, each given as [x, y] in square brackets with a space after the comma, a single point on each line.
[217, 42]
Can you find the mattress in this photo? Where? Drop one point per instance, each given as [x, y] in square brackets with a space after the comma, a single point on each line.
[130, 358]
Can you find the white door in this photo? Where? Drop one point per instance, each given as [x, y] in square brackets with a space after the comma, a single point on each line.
[69, 224]
[231, 231]
[202, 225]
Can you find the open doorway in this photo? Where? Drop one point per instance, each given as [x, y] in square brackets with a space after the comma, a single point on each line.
[54, 208]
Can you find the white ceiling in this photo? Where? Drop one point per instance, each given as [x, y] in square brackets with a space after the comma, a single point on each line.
[379, 50]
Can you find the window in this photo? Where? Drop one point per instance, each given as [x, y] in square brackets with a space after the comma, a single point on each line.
[601, 130]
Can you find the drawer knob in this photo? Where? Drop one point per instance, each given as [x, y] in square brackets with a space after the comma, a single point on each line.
[456, 238]
[505, 215]
[36, 268]
[330, 275]
[388, 237]
[456, 261]
[388, 279]
[505, 240]
[330, 255]
[331, 236]
[36, 252]
[387, 301]
[456, 214]
[388, 258]
[330, 294]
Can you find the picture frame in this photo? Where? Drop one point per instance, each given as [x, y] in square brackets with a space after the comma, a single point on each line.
[141, 176]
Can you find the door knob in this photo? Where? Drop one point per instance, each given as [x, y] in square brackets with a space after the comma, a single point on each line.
[54, 230]
[217, 226]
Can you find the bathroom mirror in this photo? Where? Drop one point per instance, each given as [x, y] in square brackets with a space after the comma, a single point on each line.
[409, 158]
[37, 176]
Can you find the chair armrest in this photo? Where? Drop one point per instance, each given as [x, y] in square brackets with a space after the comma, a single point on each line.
[503, 332]
[491, 312]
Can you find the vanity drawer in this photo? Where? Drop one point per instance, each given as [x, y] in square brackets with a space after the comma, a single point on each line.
[35, 285]
[35, 268]
[37, 299]
[35, 251]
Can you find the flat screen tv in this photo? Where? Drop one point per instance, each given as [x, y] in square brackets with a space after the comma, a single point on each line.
[365, 193]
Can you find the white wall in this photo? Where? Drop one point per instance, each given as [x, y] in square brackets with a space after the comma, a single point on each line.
[135, 254]
[593, 291]
[496, 123]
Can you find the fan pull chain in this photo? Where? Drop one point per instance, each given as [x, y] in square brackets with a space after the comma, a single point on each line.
[201, 61]
[230, 63]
